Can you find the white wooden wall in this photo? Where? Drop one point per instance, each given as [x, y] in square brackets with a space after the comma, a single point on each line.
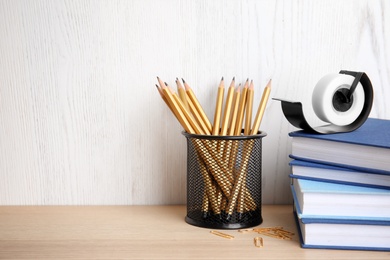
[82, 123]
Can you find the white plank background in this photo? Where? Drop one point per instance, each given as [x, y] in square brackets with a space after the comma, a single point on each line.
[81, 122]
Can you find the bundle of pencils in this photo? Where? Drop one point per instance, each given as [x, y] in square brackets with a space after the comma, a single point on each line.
[224, 182]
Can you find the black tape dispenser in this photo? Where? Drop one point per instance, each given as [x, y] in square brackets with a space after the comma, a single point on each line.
[343, 100]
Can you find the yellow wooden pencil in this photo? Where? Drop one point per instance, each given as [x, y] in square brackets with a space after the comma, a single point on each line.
[177, 107]
[182, 94]
[198, 117]
[191, 96]
[186, 113]
[177, 111]
[228, 106]
[161, 83]
[165, 100]
[232, 148]
[236, 103]
[261, 109]
[248, 110]
[218, 108]
[190, 107]
[241, 109]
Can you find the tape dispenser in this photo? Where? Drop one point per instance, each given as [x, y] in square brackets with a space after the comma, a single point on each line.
[344, 100]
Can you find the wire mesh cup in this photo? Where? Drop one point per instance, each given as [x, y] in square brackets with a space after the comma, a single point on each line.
[224, 180]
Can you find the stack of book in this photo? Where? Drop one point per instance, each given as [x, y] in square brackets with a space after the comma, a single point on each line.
[341, 187]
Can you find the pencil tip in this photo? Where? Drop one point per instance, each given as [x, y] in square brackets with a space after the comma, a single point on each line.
[166, 84]
[183, 80]
[251, 85]
[234, 78]
[222, 79]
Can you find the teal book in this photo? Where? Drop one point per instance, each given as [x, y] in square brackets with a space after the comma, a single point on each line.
[366, 149]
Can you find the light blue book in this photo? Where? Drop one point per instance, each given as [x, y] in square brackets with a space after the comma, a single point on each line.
[316, 199]
[343, 222]
[345, 234]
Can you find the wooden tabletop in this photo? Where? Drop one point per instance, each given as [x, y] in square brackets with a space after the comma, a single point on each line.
[144, 232]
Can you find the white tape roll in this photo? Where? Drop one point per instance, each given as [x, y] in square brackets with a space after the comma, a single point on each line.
[322, 99]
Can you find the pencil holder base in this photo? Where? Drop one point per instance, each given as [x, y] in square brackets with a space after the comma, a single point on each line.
[224, 181]
[223, 221]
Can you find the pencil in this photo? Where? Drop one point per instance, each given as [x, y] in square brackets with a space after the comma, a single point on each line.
[161, 94]
[191, 96]
[160, 82]
[218, 108]
[182, 94]
[261, 109]
[240, 180]
[166, 101]
[228, 106]
[177, 111]
[233, 117]
[232, 151]
[241, 110]
[248, 113]
[198, 117]
[186, 113]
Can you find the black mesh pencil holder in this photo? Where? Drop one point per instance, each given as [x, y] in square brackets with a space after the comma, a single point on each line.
[224, 181]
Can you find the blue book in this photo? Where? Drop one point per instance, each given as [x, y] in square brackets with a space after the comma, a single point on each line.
[366, 149]
[337, 201]
[335, 230]
[343, 234]
[334, 174]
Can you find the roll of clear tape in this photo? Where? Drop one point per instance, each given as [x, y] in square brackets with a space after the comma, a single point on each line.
[329, 107]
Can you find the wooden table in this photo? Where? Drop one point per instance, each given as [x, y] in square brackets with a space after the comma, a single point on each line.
[143, 232]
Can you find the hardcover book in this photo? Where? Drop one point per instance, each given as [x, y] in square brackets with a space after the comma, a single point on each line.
[315, 198]
[334, 174]
[366, 149]
[343, 234]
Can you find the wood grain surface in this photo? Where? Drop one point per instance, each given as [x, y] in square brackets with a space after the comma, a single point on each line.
[145, 232]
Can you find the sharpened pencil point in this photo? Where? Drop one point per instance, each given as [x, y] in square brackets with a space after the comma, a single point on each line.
[183, 80]
[269, 83]
[221, 78]
[166, 84]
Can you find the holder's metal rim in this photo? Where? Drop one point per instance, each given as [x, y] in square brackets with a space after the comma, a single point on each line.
[259, 135]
